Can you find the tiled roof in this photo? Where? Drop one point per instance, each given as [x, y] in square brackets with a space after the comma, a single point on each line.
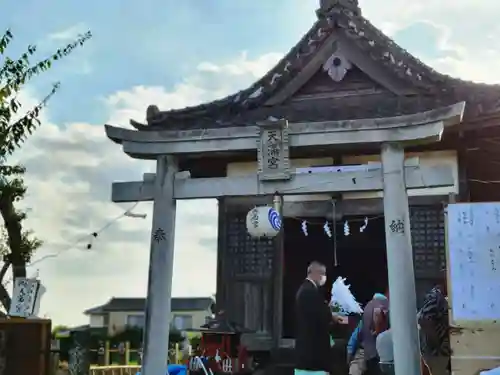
[139, 304]
[340, 16]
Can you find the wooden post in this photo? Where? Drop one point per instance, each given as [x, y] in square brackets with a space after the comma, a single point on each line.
[403, 309]
[54, 364]
[127, 353]
[106, 354]
[158, 307]
[278, 274]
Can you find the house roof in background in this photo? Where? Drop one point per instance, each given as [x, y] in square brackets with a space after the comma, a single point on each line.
[79, 328]
[139, 304]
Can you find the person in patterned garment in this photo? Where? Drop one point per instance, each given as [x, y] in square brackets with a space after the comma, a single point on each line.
[433, 320]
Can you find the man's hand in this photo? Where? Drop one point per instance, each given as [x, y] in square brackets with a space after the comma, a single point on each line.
[337, 318]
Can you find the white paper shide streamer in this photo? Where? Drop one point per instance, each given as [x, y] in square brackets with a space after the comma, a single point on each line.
[304, 228]
[363, 227]
[327, 229]
[347, 230]
[343, 298]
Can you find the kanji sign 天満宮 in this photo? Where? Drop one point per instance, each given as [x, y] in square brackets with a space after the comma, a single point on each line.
[273, 153]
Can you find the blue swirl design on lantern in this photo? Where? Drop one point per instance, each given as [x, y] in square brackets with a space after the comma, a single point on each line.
[274, 219]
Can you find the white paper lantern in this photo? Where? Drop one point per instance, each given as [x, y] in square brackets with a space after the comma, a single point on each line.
[263, 221]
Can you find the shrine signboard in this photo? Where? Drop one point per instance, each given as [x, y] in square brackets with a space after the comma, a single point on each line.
[273, 152]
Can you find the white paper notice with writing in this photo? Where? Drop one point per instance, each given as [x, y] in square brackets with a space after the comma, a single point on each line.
[24, 297]
[474, 260]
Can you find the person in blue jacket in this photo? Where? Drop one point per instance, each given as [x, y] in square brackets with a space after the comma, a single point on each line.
[355, 353]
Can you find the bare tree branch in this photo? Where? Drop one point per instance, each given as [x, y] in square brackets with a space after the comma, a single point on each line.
[4, 270]
[5, 298]
[12, 224]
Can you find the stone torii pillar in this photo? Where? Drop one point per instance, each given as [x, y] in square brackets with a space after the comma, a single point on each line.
[403, 305]
[161, 267]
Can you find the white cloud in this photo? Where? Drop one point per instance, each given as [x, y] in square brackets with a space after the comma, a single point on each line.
[243, 66]
[468, 31]
[482, 67]
[211, 81]
[70, 168]
[68, 34]
[78, 63]
[404, 12]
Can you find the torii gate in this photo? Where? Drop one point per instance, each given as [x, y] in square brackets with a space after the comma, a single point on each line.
[391, 135]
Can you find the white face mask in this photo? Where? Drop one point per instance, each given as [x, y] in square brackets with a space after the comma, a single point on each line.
[322, 281]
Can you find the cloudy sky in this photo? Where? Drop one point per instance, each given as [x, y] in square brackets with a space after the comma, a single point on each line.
[173, 53]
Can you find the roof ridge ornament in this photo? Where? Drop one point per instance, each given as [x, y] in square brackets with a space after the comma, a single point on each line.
[337, 66]
[325, 6]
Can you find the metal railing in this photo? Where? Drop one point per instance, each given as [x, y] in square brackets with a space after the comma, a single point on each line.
[114, 370]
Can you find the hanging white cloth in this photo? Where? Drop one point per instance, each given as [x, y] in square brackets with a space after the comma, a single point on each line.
[344, 299]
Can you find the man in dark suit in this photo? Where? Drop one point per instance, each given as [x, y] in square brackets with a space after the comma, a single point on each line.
[313, 319]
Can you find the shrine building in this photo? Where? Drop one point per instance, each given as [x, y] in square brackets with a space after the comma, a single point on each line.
[343, 70]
